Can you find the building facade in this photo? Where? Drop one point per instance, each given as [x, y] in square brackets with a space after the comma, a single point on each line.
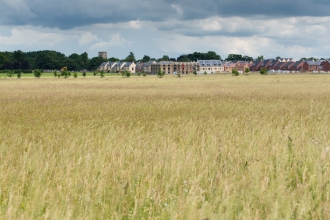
[170, 67]
[210, 66]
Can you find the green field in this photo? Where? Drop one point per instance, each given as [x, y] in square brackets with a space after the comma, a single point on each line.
[197, 147]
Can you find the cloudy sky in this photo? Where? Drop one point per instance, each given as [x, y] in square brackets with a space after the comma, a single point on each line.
[167, 27]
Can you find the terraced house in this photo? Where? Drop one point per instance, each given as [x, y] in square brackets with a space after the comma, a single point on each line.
[210, 66]
[170, 67]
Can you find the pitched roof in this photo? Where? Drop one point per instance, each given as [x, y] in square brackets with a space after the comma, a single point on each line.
[210, 62]
[313, 63]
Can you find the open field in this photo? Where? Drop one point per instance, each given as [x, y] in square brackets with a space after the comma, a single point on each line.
[215, 146]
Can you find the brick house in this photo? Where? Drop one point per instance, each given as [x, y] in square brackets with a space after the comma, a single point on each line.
[272, 65]
[241, 66]
[255, 65]
[287, 66]
[229, 66]
[312, 66]
[279, 66]
[325, 65]
[297, 66]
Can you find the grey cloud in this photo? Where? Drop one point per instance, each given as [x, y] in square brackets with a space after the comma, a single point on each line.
[67, 14]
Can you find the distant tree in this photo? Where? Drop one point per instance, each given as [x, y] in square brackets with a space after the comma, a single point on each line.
[18, 55]
[195, 73]
[37, 73]
[261, 57]
[55, 73]
[145, 59]
[160, 74]
[247, 58]
[232, 57]
[84, 58]
[75, 75]
[45, 61]
[165, 58]
[7, 65]
[16, 65]
[278, 58]
[235, 72]
[25, 65]
[130, 58]
[3, 59]
[102, 73]
[144, 74]
[19, 74]
[84, 74]
[247, 70]
[95, 62]
[264, 71]
[10, 74]
[113, 59]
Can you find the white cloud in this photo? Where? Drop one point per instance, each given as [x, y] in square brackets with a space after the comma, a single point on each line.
[87, 38]
[28, 37]
[116, 40]
[177, 9]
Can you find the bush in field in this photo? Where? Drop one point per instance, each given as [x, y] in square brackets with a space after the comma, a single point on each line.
[264, 71]
[55, 74]
[195, 73]
[160, 74]
[94, 73]
[75, 75]
[84, 74]
[138, 74]
[247, 70]
[235, 72]
[65, 73]
[10, 74]
[102, 74]
[144, 74]
[205, 73]
[19, 74]
[37, 73]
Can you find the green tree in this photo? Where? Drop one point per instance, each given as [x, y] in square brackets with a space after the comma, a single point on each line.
[19, 74]
[84, 74]
[102, 74]
[195, 73]
[55, 73]
[264, 71]
[75, 75]
[247, 70]
[18, 55]
[261, 57]
[130, 57]
[95, 62]
[235, 72]
[37, 73]
[165, 58]
[160, 74]
[145, 59]
[113, 59]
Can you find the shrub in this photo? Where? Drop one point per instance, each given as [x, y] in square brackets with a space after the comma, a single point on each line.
[94, 73]
[264, 71]
[160, 74]
[37, 73]
[10, 74]
[247, 70]
[84, 74]
[235, 72]
[195, 73]
[75, 75]
[138, 74]
[144, 74]
[19, 74]
[205, 73]
[55, 73]
[102, 74]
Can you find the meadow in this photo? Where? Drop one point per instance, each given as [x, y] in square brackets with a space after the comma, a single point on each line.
[197, 147]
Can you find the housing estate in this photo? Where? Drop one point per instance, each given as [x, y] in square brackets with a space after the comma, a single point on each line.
[285, 65]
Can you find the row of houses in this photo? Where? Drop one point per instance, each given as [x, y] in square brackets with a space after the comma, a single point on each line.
[216, 66]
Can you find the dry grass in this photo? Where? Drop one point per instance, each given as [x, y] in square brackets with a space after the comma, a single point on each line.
[216, 147]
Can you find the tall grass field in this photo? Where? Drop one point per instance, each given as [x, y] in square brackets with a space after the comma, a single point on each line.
[197, 147]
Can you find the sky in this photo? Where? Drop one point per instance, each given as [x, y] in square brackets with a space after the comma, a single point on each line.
[290, 29]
